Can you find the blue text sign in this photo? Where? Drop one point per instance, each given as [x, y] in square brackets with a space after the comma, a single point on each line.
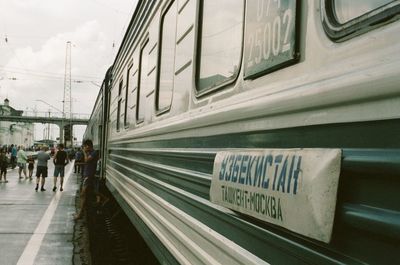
[292, 188]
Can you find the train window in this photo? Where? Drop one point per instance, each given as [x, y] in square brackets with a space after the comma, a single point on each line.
[126, 122]
[345, 19]
[346, 10]
[166, 58]
[270, 40]
[142, 81]
[119, 104]
[220, 43]
[131, 86]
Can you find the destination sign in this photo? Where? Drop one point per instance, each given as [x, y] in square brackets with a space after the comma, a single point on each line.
[270, 35]
[292, 188]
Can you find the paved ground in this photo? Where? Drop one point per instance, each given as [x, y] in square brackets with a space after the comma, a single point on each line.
[37, 227]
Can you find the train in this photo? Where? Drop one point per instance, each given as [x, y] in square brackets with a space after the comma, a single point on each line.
[256, 132]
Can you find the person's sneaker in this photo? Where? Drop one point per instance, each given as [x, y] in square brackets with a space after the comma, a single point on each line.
[42, 189]
[55, 188]
[6, 181]
[37, 187]
[61, 189]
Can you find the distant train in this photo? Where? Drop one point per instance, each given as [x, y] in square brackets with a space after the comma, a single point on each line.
[257, 132]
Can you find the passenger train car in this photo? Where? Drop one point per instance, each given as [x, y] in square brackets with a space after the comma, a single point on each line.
[258, 131]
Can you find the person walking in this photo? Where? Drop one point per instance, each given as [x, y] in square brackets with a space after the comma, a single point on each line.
[21, 161]
[31, 165]
[3, 165]
[60, 161]
[41, 168]
[90, 158]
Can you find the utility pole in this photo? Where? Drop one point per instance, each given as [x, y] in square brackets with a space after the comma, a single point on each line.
[67, 102]
[48, 128]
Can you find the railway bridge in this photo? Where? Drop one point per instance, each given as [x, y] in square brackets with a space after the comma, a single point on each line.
[64, 123]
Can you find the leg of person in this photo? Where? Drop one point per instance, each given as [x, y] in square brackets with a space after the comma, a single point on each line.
[4, 173]
[87, 185]
[19, 171]
[44, 176]
[81, 211]
[37, 182]
[55, 184]
[61, 183]
[24, 170]
[37, 178]
[43, 181]
[56, 173]
[12, 162]
[62, 171]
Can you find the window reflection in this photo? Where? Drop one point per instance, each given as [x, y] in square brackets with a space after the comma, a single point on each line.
[167, 56]
[347, 10]
[221, 41]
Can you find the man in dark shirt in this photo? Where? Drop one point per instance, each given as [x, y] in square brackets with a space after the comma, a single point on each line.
[90, 158]
[60, 161]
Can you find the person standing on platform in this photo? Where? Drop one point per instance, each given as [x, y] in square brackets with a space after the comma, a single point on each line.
[60, 161]
[3, 165]
[31, 165]
[78, 161]
[41, 168]
[13, 152]
[21, 161]
[90, 158]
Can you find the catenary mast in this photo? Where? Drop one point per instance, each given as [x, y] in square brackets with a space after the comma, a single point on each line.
[67, 100]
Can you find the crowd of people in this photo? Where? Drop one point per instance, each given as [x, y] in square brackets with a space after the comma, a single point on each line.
[87, 164]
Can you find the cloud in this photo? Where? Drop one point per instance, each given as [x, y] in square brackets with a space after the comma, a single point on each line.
[40, 73]
[34, 56]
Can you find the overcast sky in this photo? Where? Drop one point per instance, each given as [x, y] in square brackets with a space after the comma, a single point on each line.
[33, 39]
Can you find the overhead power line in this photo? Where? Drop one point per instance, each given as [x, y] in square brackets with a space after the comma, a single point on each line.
[42, 74]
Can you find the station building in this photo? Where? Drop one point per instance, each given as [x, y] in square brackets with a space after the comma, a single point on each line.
[17, 133]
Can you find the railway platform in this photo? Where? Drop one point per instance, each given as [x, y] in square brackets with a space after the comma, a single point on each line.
[37, 227]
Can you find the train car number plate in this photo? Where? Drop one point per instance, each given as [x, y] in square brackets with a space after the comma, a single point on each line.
[270, 36]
